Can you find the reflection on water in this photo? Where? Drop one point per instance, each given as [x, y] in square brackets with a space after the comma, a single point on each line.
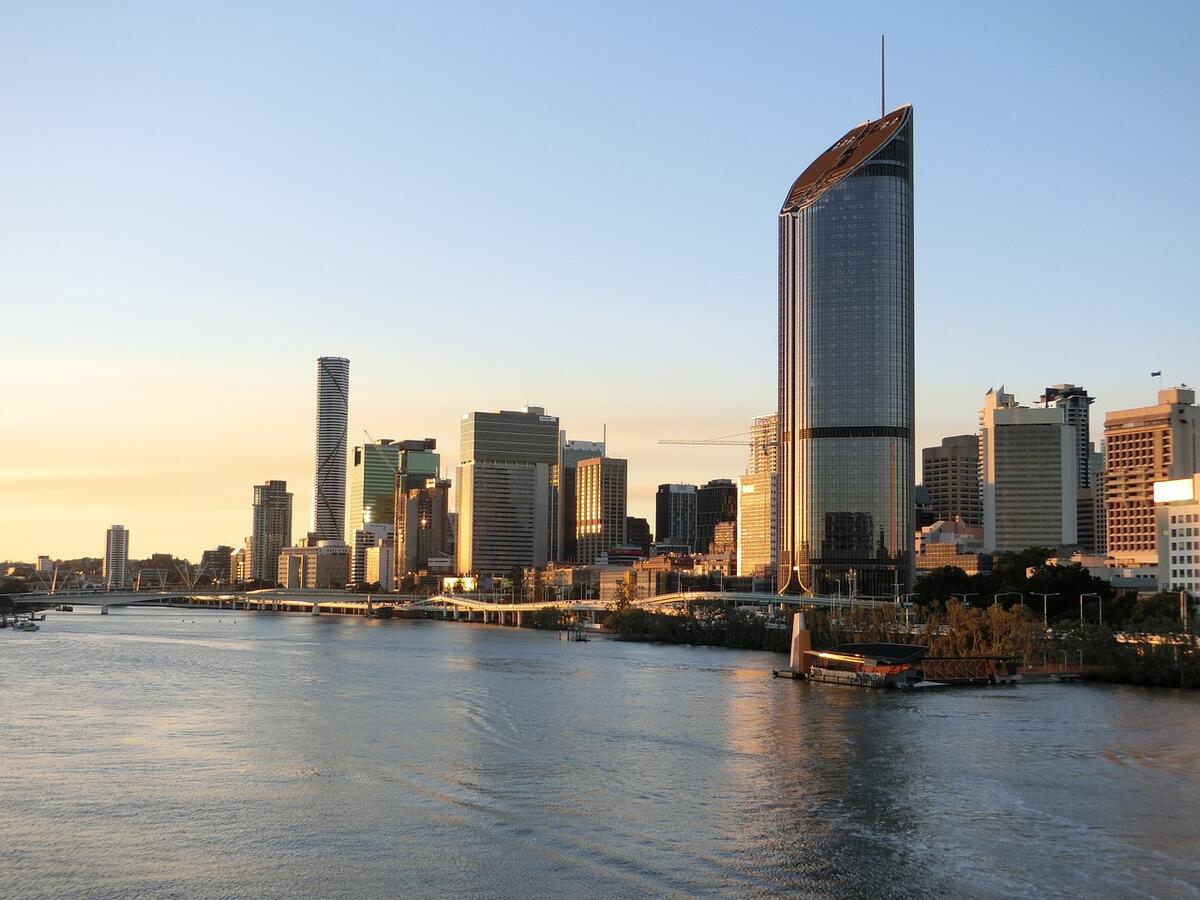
[145, 753]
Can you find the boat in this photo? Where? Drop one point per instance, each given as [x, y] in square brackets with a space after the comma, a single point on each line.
[26, 626]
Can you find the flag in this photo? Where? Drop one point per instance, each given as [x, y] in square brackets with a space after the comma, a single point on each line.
[1156, 374]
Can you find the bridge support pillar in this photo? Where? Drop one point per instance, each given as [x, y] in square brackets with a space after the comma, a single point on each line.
[316, 608]
[518, 623]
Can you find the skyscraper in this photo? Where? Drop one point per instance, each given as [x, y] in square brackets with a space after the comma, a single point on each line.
[1144, 445]
[116, 557]
[600, 500]
[372, 488]
[950, 472]
[271, 529]
[504, 489]
[1027, 473]
[329, 480]
[562, 494]
[846, 365]
[716, 502]
[675, 515]
[423, 526]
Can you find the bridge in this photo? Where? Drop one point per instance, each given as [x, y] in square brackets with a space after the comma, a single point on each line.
[465, 607]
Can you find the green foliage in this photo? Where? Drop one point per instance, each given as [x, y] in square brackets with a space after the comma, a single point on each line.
[1158, 614]
[709, 622]
[549, 617]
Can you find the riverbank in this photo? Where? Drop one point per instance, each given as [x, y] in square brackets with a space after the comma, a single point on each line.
[948, 630]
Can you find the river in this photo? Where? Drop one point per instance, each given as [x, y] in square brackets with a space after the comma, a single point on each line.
[204, 754]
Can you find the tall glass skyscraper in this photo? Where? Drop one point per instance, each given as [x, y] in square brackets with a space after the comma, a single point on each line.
[329, 480]
[846, 366]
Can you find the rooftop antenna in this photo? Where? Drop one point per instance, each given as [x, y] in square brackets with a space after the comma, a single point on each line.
[604, 441]
[882, 76]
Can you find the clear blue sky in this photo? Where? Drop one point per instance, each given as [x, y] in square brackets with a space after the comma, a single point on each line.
[564, 204]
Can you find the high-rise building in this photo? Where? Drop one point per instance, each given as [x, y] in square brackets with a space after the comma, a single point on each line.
[637, 533]
[675, 515]
[1074, 401]
[329, 480]
[846, 365]
[757, 514]
[424, 526]
[271, 529]
[373, 469]
[601, 486]
[214, 564]
[1144, 445]
[504, 490]
[1027, 469]
[764, 445]
[116, 557]
[951, 474]
[562, 494]
[757, 506]
[716, 502]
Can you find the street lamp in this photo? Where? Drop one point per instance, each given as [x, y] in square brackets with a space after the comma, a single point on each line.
[1044, 597]
[1099, 600]
[964, 597]
[996, 598]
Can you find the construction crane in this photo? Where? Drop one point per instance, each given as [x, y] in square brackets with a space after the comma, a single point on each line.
[726, 441]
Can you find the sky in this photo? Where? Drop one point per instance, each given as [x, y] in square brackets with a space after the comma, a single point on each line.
[571, 206]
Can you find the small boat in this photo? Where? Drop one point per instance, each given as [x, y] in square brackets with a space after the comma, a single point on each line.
[66, 609]
[26, 626]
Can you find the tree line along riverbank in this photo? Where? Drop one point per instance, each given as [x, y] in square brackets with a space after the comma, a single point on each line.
[948, 629]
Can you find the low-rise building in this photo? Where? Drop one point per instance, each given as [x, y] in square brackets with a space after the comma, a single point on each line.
[1177, 515]
[314, 564]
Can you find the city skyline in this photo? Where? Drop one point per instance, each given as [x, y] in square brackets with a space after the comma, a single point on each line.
[112, 256]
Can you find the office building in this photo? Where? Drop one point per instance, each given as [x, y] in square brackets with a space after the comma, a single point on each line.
[373, 469]
[314, 564]
[424, 526]
[503, 490]
[637, 533]
[1177, 527]
[116, 558]
[379, 569]
[372, 534]
[757, 514]
[1027, 468]
[1142, 446]
[44, 565]
[329, 479]
[950, 472]
[271, 529]
[214, 564]
[1075, 403]
[846, 365]
[601, 485]
[562, 494]
[675, 515]
[716, 502]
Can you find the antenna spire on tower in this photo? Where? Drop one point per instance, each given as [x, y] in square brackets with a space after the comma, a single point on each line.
[882, 77]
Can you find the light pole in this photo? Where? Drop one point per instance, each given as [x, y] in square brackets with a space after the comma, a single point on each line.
[996, 598]
[965, 601]
[1099, 600]
[1045, 621]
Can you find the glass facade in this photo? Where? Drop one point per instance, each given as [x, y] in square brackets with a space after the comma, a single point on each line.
[846, 367]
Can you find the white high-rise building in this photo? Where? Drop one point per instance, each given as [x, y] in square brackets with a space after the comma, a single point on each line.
[116, 557]
[329, 481]
[1027, 462]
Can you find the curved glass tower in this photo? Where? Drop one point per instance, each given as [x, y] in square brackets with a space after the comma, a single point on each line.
[329, 479]
[846, 366]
